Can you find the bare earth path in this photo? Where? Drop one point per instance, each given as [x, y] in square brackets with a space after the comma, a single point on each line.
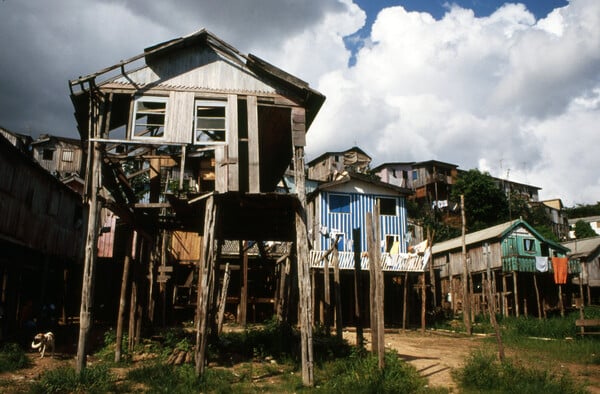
[433, 354]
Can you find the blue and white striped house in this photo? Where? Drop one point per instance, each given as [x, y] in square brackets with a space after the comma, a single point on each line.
[336, 208]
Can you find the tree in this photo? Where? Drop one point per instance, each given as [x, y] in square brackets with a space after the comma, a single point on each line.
[485, 203]
[583, 230]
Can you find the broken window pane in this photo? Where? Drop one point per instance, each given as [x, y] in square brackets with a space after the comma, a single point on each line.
[150, 115]
[211, 125]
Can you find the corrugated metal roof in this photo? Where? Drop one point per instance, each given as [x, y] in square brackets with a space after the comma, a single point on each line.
[582, 247]
[476, 237]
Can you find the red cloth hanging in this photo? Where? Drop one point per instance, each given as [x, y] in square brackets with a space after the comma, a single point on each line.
[559, 265]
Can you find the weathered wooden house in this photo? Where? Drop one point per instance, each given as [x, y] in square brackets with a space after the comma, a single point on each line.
[60, 156]
[41, 239]
[523, 266]
[329, 165]
[192, 136]
[587, 251]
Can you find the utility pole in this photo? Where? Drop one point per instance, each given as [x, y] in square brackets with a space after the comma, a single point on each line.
[465, 277]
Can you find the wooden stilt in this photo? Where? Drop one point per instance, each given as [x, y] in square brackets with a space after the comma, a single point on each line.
[380, 289]
[123, 295]
[337, 294]
[243, 306]
[560, 301]
[516, 293]
[326, 296]
[205, 270]
[304, 288]
[504, 296]
[423, 301]
[360, 341]
[303, 264]
[372, 246]
[223, 298]
[537, 296]
[404, 301]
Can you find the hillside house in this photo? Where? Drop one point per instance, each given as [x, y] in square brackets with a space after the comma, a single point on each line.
[593, 221]
[329, 165]
[60, 156]
[192, 138]
[522, 263]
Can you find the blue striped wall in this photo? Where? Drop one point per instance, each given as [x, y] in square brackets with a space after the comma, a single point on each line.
[360, 204]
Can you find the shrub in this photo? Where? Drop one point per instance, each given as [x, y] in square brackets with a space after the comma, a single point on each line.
[12, 357]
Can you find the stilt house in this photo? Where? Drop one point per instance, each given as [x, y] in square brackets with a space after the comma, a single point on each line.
[587, 252]
[191, 138]
[523, 266]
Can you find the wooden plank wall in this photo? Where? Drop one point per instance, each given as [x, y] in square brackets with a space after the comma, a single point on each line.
[36, 209]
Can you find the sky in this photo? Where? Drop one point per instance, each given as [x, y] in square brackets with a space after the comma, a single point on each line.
[508, 88]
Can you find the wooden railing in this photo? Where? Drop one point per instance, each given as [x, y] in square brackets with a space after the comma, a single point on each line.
[403, 262]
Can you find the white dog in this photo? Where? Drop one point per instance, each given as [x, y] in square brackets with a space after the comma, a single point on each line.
[42, 341]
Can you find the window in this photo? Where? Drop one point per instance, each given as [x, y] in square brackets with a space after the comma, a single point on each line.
[339, 203]
[48, 154]
[67, 155]
[210, 125]
[387, 206]
[415, 175]
[529, 245]
[149, 117]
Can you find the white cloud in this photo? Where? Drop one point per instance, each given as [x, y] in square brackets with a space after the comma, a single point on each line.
[505, 93]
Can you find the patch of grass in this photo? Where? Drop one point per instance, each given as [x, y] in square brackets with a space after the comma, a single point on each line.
[159, 378]
[484, 373]
[96, 379]
[12, 357]
[359, 373]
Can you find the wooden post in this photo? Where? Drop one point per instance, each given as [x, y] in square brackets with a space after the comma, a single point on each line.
[205, 270]
[432, 283]
[223, 298]
[560, 301]
[123, 296]
[372, 284]
[303, 264]
[516, 294]
[423, 301]
[380, 287]
[283, 293]
[491, 302]
[337, 292]
[404, 301]
[465, 276]
[327, 294]
[504, 296]
[163, 284]
[360, 340]
[537, 296]
[89, 266]
[243, 306]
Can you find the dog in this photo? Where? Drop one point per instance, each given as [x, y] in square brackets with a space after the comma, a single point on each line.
[42, 341]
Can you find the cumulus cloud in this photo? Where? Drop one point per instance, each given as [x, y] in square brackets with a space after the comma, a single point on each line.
[513, 95]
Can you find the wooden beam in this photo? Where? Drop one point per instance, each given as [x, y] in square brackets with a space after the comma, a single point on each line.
[253, 146]
[233, 143]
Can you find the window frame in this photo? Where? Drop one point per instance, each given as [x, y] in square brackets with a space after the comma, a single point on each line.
[149, 99]
[379, 199]
[532, 248]
[339, 195]
[210, 103]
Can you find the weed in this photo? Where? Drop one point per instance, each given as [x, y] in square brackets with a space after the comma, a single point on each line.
[360, 373]
[484, 373]
[12, 357]
[96, 379]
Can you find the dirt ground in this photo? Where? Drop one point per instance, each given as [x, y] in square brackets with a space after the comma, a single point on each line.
[434, 354]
